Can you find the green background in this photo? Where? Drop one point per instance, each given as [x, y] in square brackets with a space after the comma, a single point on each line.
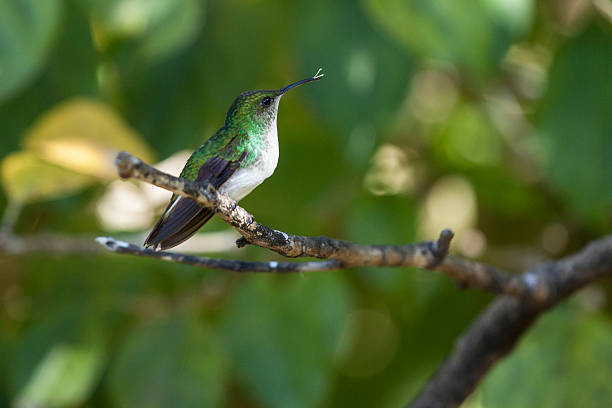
[491, 117]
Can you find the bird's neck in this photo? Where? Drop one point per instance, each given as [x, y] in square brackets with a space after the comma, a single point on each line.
[261, 134]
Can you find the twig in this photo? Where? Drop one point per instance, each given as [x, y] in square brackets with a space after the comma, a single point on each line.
[49, 243]
[123, 247]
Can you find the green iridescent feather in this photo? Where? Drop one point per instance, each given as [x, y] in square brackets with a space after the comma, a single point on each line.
[241, 132]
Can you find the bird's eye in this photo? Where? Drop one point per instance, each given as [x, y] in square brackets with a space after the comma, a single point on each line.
[266, 101]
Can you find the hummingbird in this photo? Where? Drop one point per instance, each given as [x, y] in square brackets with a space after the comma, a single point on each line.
[235, 160]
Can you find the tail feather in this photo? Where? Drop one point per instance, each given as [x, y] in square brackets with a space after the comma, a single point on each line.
[182, 218]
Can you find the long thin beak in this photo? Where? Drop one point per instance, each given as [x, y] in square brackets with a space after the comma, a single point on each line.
[316, 77]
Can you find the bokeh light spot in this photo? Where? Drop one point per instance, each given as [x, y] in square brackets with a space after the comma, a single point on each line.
[554, 238]
[432, 96]
[450, 203]
[392, 172]
[361, 71]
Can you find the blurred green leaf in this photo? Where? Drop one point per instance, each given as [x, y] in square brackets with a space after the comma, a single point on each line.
[84, 135]
[575, 125]
[27, 32]
[502, 193]
[515, 16]
[365, 76]
[154, 29]
[564, 361]
[446, 30]
[64, 378]
[282, 336]
[27, 178]
[468, 138]
[68, 326]
[382, 219]
[60, 79]
[170, 363]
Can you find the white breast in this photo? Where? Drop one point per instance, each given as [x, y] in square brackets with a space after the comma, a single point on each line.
[244, 180]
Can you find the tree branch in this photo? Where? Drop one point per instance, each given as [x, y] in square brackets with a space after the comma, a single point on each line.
[123, 247]
[435, 250]
[431, 255]
[500, 326]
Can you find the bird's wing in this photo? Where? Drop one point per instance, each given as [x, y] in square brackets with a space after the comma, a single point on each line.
[183, 217]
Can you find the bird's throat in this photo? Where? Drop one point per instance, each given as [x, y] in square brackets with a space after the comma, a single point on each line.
[264, 149]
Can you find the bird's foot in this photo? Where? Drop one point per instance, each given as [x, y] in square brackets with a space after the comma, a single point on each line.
[242, 242]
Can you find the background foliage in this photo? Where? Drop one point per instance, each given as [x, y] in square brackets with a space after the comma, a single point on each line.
[492, 117]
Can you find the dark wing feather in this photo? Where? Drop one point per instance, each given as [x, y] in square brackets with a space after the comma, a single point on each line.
[168, 238]
[183, 219]
[217, 170]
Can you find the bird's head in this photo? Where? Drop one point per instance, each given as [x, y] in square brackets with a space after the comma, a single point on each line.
[260, 107]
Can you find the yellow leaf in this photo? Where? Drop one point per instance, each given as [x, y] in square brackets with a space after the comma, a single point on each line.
[85, 135]
[27, 178]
